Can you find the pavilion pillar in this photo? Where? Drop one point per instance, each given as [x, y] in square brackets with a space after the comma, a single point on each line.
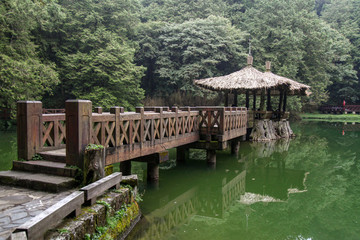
[235, 98]
[226, 99]
[254, 100]
[268, 102]
[285, 100]
[262, 100]
[247, 99]
[281, 100]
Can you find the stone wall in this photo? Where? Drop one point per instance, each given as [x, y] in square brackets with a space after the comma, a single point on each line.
[100, 216]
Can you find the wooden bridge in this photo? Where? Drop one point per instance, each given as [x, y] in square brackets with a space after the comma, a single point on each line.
[126, 135]
[354, 109]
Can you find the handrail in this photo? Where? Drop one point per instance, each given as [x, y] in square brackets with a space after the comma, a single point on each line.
[130, 134]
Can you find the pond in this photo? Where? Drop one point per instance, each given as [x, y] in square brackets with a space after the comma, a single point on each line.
[8, 149]
[306, 188]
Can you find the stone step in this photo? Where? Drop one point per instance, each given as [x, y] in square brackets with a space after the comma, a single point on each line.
[58, 155]
[53, 168]
[37, 181]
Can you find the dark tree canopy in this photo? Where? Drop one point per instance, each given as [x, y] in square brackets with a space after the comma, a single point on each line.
[114, 52]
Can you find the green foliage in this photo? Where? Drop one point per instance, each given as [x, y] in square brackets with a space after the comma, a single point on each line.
[62, 230]
[179, 11]
[92, 146]
[344, 15]
[332, 117]
[117, 223]
[23, 74]
[177, 53]
[88, 41]
[107, 205]
[37, 157]
[58, 50]
[300, 45]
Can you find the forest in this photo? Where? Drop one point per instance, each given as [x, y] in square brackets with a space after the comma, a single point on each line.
[135, 52]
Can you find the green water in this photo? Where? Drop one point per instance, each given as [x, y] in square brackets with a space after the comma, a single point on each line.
[8, 150]
[308, 188]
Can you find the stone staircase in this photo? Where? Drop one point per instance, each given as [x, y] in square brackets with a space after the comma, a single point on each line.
[49, 174]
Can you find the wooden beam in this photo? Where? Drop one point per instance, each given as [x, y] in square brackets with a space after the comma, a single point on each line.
[93, 190]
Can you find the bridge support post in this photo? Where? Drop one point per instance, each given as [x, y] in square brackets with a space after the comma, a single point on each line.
[125, 168]
[153, 171]
[235, 146]
[211, 157]
[29, 128]
[182, 154]
[78, 130]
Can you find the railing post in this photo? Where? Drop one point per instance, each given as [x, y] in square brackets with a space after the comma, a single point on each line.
[116, 111]
[142, 123]
[177, 131]
[29, 128]
[160, 110]
[78, 130]
[99, 110]
[222, 121]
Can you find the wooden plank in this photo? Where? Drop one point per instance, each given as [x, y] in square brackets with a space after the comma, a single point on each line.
[93, 190]
[53, 117]
[37, 226]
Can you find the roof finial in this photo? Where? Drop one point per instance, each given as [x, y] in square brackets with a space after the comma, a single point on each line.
[249, 46]
[268, 66]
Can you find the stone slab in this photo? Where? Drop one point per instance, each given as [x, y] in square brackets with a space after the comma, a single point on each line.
[38, 181]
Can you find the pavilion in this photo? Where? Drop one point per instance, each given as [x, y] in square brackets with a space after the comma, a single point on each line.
[249, 80]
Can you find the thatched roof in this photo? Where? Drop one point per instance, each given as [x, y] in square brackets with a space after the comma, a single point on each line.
[292, 87]
[248, 78]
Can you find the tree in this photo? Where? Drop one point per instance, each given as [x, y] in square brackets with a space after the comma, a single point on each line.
[181, 10]
[178, 53]
[344, 16]
[301, 46]
[23, 75]
[89, 42]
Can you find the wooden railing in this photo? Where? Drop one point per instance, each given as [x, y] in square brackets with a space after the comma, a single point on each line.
[125, 135]
[140, 133]
[53, 132]
[53, 110]
[222, 124]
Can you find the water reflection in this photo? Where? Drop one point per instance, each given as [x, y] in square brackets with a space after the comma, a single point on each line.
[259, 174]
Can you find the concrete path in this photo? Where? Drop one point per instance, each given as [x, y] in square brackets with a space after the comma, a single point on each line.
[17, 205]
